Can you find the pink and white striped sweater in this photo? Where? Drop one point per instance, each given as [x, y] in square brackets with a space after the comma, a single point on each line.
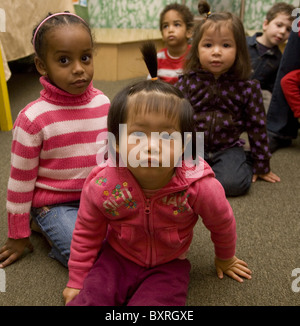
[53, 151]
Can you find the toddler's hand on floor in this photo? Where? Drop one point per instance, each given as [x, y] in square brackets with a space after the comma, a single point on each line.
[233, 267]
[270, 177]
[69, 294]
[13, 250]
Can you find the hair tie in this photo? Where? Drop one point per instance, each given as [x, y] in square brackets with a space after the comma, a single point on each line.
[154, 78]
[47, 18]
[208, 14]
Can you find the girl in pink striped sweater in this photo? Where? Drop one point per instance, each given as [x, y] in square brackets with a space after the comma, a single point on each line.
[54, 139]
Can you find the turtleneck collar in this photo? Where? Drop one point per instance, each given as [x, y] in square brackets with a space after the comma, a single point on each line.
[57, 96]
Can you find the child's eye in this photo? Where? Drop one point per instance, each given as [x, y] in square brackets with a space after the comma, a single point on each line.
[169, 136]
[138, 134]
[64, 60]
[86, 58]
[166, 136]
[226, 45]
[164, 26]
[207, 45]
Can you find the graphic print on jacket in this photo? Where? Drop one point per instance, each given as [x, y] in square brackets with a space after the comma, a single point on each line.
[119, 201]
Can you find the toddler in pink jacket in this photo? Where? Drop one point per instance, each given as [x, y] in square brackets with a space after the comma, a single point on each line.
[138, 209]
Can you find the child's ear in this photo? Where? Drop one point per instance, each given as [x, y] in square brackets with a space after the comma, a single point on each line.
[265, 24]
[189, 33]
[40, 66]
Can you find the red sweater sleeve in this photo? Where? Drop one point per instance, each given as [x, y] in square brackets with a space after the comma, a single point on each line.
[217, 216]
[290, 85]
[89, 233]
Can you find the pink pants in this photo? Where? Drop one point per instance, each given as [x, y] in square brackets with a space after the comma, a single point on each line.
[117, 281]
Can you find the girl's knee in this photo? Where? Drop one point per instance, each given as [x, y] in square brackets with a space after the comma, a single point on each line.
[236, 186]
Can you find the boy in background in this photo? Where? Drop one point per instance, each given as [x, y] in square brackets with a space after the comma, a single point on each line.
[264, 47]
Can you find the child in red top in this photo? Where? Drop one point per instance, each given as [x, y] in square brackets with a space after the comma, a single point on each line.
[290, 85]
[176, 23]
[282, 125]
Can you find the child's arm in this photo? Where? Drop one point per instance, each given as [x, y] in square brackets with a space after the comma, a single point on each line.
[290, 85]
[217, 216]
[25, 156]
[89, 233]
[13, 250]
[257, 134]
[232, 267]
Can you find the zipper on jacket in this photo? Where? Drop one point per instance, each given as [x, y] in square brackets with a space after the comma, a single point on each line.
[147, 208]
[147, 211]
[149, 228]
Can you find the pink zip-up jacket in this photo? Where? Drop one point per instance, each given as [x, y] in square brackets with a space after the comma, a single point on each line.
[151, 231]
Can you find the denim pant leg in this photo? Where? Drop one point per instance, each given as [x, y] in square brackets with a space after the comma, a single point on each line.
[280, 119]
[57, 224]
[233, 170]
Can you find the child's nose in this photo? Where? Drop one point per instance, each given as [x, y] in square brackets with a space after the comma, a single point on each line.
[77, 68]
[216, 50]
[154, 144]
[171, 28]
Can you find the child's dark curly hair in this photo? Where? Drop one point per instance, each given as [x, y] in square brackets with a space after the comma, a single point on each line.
[184, 11]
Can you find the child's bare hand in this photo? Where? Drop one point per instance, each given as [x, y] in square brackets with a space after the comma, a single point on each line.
[233, 267]
[69, 294]
[13, 250]
[269, 177]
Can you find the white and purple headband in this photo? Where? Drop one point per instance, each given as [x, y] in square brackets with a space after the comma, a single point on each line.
[49, 17]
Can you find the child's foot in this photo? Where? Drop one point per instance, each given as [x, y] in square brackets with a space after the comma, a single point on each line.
[34, 227]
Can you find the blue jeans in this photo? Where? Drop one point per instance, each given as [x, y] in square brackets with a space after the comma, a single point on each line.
[233, 169]
[57, 224]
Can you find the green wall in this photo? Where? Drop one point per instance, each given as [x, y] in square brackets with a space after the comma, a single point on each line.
[255, 10]
[145, 13]
[129, 13]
